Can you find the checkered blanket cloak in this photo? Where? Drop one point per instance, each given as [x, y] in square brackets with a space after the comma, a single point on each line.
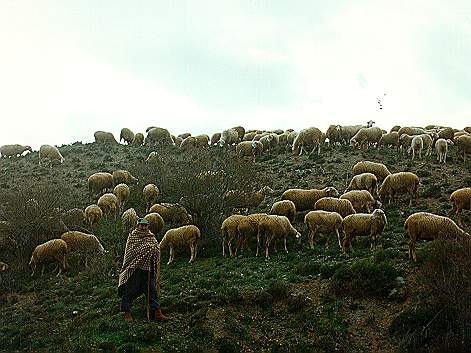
[142, 251]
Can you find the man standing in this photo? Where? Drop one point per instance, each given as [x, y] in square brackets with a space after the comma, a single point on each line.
[140, 273]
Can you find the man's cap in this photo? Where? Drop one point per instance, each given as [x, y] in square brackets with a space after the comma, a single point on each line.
[143, 221]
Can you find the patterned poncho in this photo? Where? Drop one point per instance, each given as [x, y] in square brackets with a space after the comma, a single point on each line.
[142, 251]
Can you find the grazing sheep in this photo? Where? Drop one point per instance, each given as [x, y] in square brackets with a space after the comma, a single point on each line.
[173, 213]
[249, 136]
[395, 128]
[304, 199]
[269, 142]
[378, 169]
[275, 227]
[129, 220]
[229, 137]
[202, 140]
[361, 200]
[334, 134]
[429, 226]
[138, 139]
[151, 194]
[158, 136]
[122, 176]
[156, 222]
[446, 133]
[348, 131]
[53, 250]
[399, 183]
[50, 152]
[246, 199]
[183, 237]
[229, 232]
[416, 146]
[240, 131]
[460, 200]
[291, 137]
[109, 204]
[363, 224]
[366, 136]
[188, 144]
[104, 137]
[127, 135]
[427, 142]
[93, 214]
[249, 148]
[99, 183]
[390, 139]
[75, 217]
[215, 138]
[87, 244]
[323, 222]
[405, 141]
[342, 206]
[410, 131]
[442, 149]
[310, 138]
[121, 192]
[363, 181]
[13, 150]
[247, 228]
[285, 208]
[463, 144]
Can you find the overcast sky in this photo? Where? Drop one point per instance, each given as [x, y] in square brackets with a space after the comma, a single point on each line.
[69, 68]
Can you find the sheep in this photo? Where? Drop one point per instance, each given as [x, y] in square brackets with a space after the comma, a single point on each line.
[240, 131]
[202, 140]
[259, 136]
[74, 217]
[395, 128]
[410, 131]
[460, 133]
[291, 137]
[104, 137]
[188, 143]
[463, 144]
[109, 204]
[215, 138]
[249, 136]
[366, 136]
[13, 150]
[121, 191]
[50, 152]
[342, 206]
[361, 200]
[249, 148]
[363, 224]
[186, 236]
[93, 214]
[273, 227]
[323, 222]
[283, 140]
[429, 226]
[127, 135]
[334, 134]
[184, 135]
[416, 146]
[129, 220]
[87, 244]
[460, 200]
[156, 222]
[229, 137]
[285, 208]
[158, 136]
[378, 169]
[246, 199]
[304, 199]
[99, 183]
[446, 133]
[247, 228]
[229, 232]
[269, 142]
[364, 181]
[151, 194]
[390, 139]
[122, 176]
[348, 131]
[405, 141]
[441, 147]
[427, 142]
[138, 139]
[402, 183]
[54, 250]
[171, 213]
[310, 137]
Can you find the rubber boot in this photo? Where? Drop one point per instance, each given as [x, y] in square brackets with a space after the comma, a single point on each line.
[159, 316]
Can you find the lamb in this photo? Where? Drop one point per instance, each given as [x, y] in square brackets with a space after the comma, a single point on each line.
[156, 222]
[121, 191]
[304, 199]
[361, 200]
[151, 194]
[246, 199]
[109, 204]
[104, 137]
[247, 228]
[215, 138]
[13, 150]
[334, 134]
[129, 220]
[186, 236]
[122, 176]
[229, 232]
[308, 138]
[460, 200]
[158, 136]
[366, 136]
[99, 183]
[364, 181]
[323, 222]
[416, 146]
[378, 169]
[390, 139]
[342, 206]
[273, 227]
[249, 148]
[285, 208]
[363, 224]
[429, 226]
[463, 144]
[93, 214]
[138, 139]
[50, 152]
[87, 244]
[442, 149]
[171, 213]
[399, 183]
[54, 250]
[411, 131]
[229, 137]
[127, 135]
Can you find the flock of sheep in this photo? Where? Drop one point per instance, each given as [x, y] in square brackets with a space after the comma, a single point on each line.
[357, 212]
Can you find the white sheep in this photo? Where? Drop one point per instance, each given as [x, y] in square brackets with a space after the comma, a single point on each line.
[182, 237]
[463, 144]
[361, 200]
[249, 149]
[86, 244]
[138, 139]
[104, 137]
[215, 138]
[229, 137]
[378, 169]
[416, 146]
[156, 222]
[247, 228]
[400, 183]
[229, 232]
[122, 176]
[304, 199]
[109, 204]
[13, 150]
[427, 142]
[366, 136]
[441, 146]
[310, 138]
[334, 134]
[151, 194]
[460, 200]
[342, 206]
[275, 227]
[50, 152]
[93, 214]
[54, 250]
[389, 139]
[429, 226]
[364, 181]
[158, 136]
[129, 220]
[121, 191]
[322, 222]
[348, 131]
[410, 131]
[98, 183]
[285, 208]
[127, 135]
[363, 224]
[171, 212]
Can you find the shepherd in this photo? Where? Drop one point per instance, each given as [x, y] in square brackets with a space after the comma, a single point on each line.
[140, 273]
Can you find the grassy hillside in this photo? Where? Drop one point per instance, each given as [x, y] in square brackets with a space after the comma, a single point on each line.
[316, 300]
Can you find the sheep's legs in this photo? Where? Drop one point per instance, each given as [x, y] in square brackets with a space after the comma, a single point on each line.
[192, 250]
[229, 246]
[196, 250]
[338, 237]
[258, 244]
[223, 243]
[286, 249]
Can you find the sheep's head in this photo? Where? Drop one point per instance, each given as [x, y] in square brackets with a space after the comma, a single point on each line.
[331, 191]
